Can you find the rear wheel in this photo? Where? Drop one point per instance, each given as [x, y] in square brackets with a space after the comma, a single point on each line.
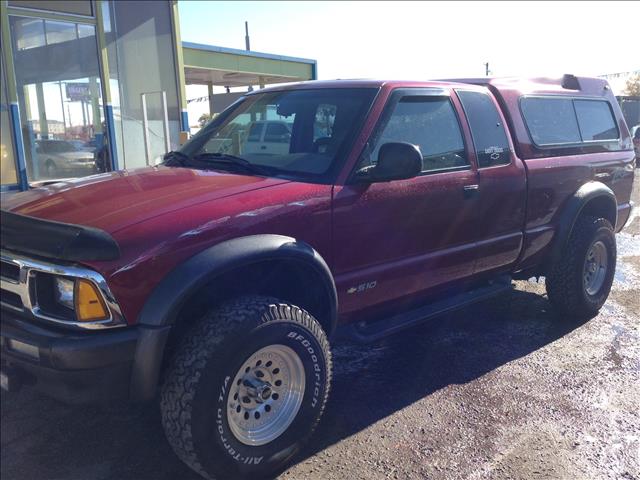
[246, 388]
[579, 284]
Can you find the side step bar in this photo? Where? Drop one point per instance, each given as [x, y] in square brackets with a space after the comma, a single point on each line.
[374, 331]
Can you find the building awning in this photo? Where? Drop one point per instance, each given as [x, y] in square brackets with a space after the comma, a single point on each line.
[230, 67]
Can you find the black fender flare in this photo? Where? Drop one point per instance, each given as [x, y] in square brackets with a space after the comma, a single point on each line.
[161, 309]
[572, 209]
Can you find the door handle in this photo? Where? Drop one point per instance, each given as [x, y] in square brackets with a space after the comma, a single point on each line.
[471, 190]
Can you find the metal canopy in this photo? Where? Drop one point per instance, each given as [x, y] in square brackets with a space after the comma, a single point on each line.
[229, 67]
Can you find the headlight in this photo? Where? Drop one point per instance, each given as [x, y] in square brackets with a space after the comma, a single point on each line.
[64, 291]
[66, 298]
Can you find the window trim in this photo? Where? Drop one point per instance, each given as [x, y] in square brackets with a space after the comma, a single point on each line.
[51, 15]
[573, 98]
[394, 98]
[504, 128]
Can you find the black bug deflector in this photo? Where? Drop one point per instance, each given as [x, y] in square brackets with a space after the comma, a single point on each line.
[49, 239]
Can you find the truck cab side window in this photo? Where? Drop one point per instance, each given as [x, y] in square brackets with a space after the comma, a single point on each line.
[595, 120]
[489, 136]
[431, 124]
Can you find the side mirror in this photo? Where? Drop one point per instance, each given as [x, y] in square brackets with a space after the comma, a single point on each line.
[396, 161]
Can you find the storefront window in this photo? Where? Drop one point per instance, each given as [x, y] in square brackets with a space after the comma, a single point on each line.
[76, 7]
[142, 69]
[59, 95]
[29, 33]
[7, 157]
[60, 31]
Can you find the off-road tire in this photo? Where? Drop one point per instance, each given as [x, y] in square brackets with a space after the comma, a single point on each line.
[195, 391]
[564, 283]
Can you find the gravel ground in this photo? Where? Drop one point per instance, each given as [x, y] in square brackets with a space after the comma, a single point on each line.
[497, 391]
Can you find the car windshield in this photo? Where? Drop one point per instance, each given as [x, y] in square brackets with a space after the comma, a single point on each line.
[297, 134]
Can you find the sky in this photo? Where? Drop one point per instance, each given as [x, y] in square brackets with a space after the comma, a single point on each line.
[425, 40]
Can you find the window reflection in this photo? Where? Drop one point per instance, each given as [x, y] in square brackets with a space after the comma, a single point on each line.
[58, 83]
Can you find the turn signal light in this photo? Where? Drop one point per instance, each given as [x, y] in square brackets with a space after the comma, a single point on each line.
[89, 303]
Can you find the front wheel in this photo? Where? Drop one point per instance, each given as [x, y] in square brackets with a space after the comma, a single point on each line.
[246, 388]
[579, 284]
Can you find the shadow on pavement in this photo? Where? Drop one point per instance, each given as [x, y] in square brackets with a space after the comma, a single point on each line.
[42, 438]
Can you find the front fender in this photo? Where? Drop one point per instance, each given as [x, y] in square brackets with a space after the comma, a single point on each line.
[165, 302]
[167, 298]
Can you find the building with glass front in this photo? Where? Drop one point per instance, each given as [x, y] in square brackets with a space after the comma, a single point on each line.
[95, 85]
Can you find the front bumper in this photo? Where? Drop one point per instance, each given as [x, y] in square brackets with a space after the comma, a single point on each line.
[75, 367]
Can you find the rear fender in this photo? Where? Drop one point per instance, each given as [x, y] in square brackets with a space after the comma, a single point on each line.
[594, 196]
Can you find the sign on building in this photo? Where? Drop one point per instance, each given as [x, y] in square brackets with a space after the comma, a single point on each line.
[77, 91]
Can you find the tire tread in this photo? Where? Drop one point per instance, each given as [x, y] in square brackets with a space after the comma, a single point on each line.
[225, 323]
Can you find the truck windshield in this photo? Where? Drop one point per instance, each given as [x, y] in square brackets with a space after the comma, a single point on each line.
[297, 134]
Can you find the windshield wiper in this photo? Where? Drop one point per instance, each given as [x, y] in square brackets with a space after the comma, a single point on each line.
[175, 158]
[229, 160]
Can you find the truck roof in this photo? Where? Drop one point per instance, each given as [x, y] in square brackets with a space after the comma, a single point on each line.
[360, 83]
[567, 84]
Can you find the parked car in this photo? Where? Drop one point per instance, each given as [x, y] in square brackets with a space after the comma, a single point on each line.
[81, 145]
[268, 137]
[217, 279]
[59, 158]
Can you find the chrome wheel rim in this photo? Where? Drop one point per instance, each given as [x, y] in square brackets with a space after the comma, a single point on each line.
[595, 268]
[266, 395]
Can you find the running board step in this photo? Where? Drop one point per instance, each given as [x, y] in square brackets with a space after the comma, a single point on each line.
[373, 331]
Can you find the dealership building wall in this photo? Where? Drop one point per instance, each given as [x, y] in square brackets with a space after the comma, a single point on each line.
[96, 85]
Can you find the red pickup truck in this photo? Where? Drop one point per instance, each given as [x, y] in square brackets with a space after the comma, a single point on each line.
[216, 279]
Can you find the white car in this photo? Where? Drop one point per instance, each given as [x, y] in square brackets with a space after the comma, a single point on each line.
[61, 158]
[269, 137]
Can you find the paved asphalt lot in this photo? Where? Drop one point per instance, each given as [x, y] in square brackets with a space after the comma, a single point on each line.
[500, 390]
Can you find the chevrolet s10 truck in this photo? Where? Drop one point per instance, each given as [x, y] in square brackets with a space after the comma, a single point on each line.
[215, 280]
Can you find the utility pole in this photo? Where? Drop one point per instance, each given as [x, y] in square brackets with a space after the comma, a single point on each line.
[248, 47]
[486, 69]
[64, 118]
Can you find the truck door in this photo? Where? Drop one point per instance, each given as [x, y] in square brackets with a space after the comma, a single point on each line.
[501, 199]
[399, 238]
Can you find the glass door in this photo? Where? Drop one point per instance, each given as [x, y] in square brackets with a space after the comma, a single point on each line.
[155, 125]
[8, 173]
[60, 100]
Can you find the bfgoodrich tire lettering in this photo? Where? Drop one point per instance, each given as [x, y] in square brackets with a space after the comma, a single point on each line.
[566, 280]
[195, 395]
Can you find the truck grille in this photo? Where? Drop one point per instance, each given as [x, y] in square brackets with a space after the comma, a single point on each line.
[11, 299]
[9, 270]
[12, 291]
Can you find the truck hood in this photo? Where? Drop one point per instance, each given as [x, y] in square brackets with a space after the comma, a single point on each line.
[117, 200]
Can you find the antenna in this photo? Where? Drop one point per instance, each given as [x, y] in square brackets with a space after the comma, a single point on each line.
[246, 36]
[486, 69]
